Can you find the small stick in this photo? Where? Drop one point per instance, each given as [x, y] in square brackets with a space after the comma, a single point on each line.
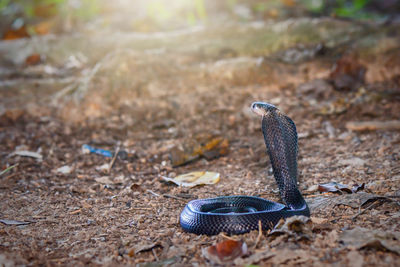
[7, 169]
[152, 192]
[174, 197]
[113, 160]
[364, 210]
[154, 254]
[133, 208]
[373, 125]
[321, 194]
[259, 233]
[75, 211]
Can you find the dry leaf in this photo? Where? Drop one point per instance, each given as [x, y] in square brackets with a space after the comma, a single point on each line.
[212, 148]
[13, 222]
[334, 187]
[33, 59]
[296, 226]
[372, 239]
[255, 258]
[348, 73]
[192, 179]
[31, 154]
[12, 34]
[64, 169]
[225, 251]
[145, 247]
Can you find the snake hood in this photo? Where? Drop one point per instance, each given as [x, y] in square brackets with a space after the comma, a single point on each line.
[280, 136]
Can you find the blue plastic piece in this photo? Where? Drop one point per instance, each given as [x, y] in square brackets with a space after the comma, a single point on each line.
[99, 151]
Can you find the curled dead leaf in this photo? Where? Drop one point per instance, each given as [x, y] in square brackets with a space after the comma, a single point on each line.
[295, 226]
[225, 251]
[335, 187]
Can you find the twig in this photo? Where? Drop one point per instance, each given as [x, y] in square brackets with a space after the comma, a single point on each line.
[373, 125]
[364, 210]
[271, 225]
[174, 197]
[8, 169]
[133, 208]
[320, 194]
[113, 159]
[152, 192]
[259, 234]
[154, 254]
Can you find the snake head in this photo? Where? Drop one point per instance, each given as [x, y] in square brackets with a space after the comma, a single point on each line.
[262, 108]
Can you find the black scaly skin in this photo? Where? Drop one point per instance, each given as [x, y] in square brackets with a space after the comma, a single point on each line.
[241, 214]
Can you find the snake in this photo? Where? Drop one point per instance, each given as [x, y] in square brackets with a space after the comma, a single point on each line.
[241, 214]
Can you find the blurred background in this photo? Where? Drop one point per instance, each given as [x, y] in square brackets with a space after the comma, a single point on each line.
[105, 55]
[23, 18]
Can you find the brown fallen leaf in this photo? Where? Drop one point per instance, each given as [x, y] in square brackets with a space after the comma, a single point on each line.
[12, 34]
[225, 251]
[215, 148]
[142, 247]
[33, 59]
[295, 226]
[348, 73]
[210, 148]
[11, 116]
[325, 202]
[255, 258]
[335, 187]
[362, 238]
[292, 257]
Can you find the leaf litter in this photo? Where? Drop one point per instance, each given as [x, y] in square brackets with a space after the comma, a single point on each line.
[104, 216]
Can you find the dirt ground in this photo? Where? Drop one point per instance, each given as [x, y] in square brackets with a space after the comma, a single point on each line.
[88, 213]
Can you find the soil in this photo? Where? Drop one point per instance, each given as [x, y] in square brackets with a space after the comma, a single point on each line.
[146, 104]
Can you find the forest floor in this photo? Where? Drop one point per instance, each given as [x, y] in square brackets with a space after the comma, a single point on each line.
[150, 95]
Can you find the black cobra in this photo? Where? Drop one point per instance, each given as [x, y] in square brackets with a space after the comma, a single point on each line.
[241, 214]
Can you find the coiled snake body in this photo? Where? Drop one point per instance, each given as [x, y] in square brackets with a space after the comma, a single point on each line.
[241, 214]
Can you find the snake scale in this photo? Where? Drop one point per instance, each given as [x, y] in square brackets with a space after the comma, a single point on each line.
[241, 214]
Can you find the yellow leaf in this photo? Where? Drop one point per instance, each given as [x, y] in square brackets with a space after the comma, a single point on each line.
[192, 179]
